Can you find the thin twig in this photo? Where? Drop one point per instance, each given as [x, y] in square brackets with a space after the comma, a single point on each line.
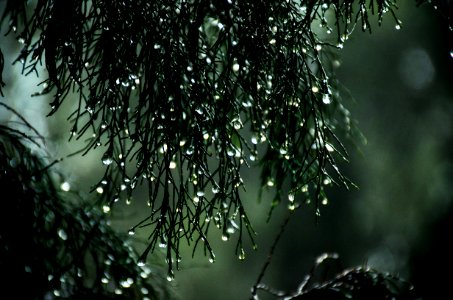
[269, 257]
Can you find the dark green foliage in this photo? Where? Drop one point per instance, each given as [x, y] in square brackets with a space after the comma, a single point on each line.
[179, 95]
[356, 283]
[50, 245]
[360, 283]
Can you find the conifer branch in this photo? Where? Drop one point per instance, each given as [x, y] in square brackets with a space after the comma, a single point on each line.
[180, 95]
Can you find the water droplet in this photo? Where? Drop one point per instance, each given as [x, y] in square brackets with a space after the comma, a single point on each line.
[225, 237]
[196, 199]
[324, 201]
[118, 291]
[131, 232]
[236, 67]
[318, 47]
[254, 140]
[270, 182]
[397, 26]
[172, 165]
[247, 104]
[315, 89]
[269, 84]
[164, 148]
[127, 283]
[344, 37]
[215, 189]
[62, 234]
[291, 206]
[65, 186]
[99, 190]
[106, 208]
[326, 99]
[451, 53]
[241, 255]
[107, 160]
[199, 110]
[272, 41]
[291, 197]
[170, 277]
[329, 147]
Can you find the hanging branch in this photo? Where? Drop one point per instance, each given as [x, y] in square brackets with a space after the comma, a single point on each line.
[180, 95]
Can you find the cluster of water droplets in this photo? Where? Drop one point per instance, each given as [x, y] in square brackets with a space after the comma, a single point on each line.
[181, 152]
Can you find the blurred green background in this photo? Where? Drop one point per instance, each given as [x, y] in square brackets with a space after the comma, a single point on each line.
[400, 218]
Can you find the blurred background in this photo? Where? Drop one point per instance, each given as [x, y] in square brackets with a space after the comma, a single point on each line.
[399, 220]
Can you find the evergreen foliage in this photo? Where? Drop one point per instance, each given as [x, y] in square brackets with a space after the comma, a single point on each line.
[179, 96]
[169, 91]
[59, 248]
[355, 283]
